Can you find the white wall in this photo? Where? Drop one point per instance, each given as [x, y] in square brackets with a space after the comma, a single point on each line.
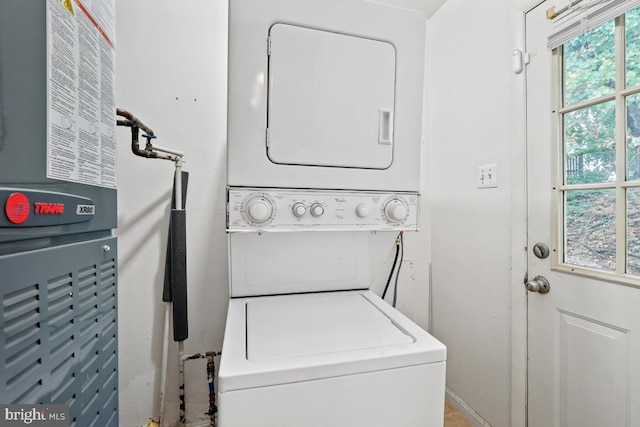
[469, 75]
[171, 73]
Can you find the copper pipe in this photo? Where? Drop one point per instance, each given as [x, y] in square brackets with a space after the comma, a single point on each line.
[136, 122]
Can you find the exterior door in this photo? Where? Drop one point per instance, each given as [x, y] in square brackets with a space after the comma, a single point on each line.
[583, 335]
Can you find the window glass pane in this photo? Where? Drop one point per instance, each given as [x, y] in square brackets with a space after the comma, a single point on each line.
[589, 144]
[590, 228]
[632, 28]
[633, 137]
[633, 231]
[589, 65]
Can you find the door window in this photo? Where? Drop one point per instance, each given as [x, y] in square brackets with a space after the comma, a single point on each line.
[598, 75]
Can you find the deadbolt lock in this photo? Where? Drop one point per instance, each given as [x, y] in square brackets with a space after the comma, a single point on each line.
[541, 250]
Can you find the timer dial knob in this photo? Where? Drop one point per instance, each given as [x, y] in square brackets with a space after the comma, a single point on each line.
[317, 210]
[299, 209]
[396, 210]
[362, 210]
[259, 209]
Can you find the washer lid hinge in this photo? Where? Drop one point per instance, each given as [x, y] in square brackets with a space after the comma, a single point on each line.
[269, 46]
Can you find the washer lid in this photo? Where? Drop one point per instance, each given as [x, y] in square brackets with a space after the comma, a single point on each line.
[317, 324]
[285, 339]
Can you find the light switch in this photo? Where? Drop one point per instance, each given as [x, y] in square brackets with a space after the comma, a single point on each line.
[488, 176]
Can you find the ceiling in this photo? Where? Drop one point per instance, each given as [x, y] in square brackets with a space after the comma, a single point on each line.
[427, 6]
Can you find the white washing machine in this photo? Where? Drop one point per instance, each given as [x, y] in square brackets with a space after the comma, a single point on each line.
[306, 342]
[337, 359]
[323, 169]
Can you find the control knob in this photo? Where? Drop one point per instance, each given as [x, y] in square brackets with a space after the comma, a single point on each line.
[317, 210]
[259, 209]
[396, 210]
[299, 209]
[362, 210]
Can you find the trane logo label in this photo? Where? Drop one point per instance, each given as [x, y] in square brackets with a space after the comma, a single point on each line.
[17, 208]
[49, 208]
[85, 210]
[35, 208]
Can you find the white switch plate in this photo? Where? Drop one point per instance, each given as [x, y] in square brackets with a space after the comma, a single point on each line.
[488, 176]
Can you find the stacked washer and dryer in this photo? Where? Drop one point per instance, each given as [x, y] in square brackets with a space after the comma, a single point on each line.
[324, 142]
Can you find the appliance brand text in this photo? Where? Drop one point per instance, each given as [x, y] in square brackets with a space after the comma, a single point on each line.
[49, 208]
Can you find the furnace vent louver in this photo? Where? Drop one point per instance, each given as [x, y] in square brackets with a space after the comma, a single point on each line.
[58, 341]
[22, 346]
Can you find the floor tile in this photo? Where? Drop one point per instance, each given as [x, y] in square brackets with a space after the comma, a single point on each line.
[453, 418]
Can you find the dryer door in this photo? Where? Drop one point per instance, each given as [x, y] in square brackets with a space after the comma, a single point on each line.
[330, 99]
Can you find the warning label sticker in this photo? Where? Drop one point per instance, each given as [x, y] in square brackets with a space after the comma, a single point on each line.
[69, 6]
[81, 144]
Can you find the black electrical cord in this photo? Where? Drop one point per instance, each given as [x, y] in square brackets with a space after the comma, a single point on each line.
[393, 267]
[395, 287]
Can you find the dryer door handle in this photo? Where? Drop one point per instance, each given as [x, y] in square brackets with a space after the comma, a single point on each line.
[385, 130]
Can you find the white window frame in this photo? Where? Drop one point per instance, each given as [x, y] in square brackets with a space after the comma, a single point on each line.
[620, 185]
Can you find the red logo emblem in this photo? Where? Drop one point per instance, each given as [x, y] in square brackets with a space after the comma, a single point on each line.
[17, 208]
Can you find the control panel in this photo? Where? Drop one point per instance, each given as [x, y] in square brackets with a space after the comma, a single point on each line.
[253, 209]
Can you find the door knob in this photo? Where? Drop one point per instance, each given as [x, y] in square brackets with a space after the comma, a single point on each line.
[538, 284]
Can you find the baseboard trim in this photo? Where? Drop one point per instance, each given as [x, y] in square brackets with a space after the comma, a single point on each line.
[466, 411]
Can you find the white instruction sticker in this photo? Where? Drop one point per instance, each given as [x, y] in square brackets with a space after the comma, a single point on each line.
[81, 122]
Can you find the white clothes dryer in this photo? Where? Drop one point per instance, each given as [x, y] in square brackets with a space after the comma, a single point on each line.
[325, 94]
[323, 168]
